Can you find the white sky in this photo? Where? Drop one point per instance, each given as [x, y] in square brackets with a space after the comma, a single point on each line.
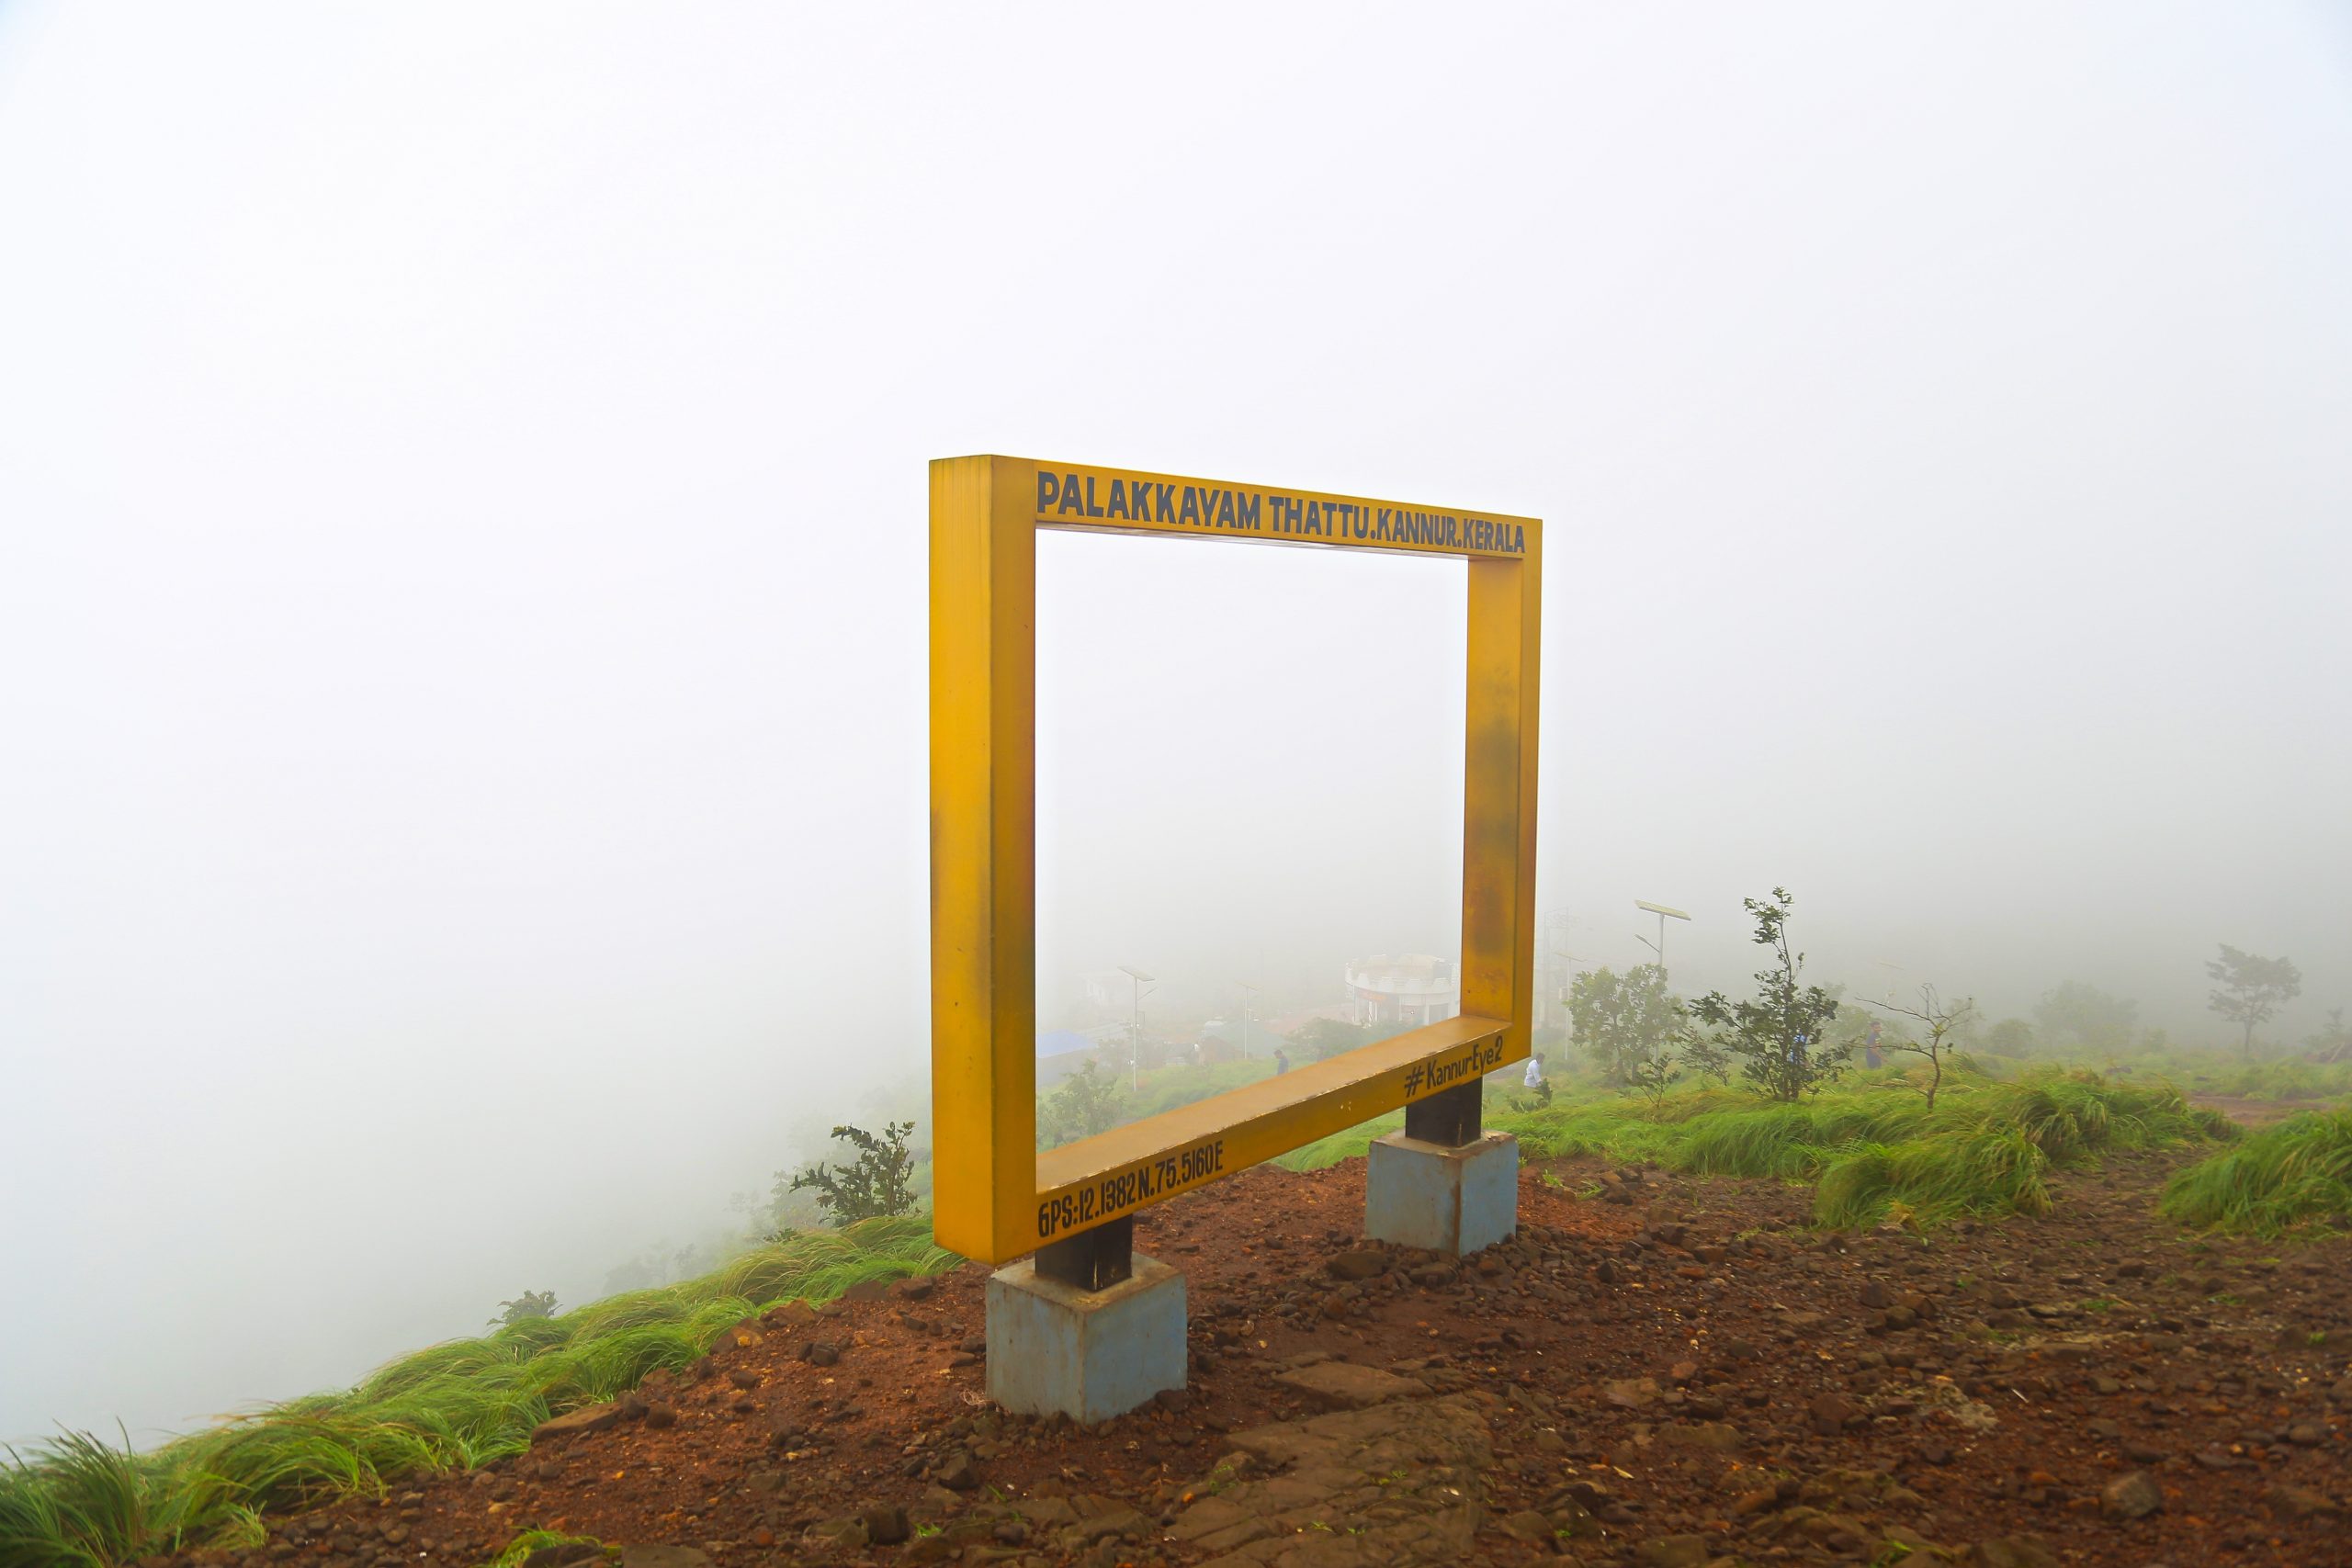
[461, 561]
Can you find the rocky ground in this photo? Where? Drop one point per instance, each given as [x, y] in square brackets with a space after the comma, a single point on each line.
[1658, 1371]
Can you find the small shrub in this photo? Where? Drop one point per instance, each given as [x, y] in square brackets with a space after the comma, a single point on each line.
[529, 1305]
[1779, 1033]
[877, 1185]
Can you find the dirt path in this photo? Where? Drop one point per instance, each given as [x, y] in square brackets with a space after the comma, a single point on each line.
[1659, 1371]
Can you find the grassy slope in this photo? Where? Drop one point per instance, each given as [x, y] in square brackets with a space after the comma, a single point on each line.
[2296, 1174]
[81, 1500]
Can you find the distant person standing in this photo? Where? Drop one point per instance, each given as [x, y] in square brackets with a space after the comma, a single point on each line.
[1282, 1061]
[1870, 1057]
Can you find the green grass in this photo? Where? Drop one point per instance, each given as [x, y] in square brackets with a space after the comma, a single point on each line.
[2229, 1076]
[1871, 1150]
[82, 1503]
[2297, 1174]
[1165, 1089]
[1350, 1144]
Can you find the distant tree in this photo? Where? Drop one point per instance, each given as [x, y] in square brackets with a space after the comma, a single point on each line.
[2333, 1043]
[878, 1183]
[1085, 1103]
[1708, 1059]
[1778, 1034]
[529, 1305]
[1942, 1019]
[2010, 1037]
[2248, 988]
[2088, 1016]
[1622, 1021]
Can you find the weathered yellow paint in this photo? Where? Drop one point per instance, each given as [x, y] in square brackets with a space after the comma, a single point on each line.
[994, 1197]
[983, 857]
[1499, 793]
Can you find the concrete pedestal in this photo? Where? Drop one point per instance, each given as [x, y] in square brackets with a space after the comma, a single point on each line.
[1449, 1200]
[1089, 1355]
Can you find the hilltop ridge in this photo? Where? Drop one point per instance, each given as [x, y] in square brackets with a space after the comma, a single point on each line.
[1659, 1369]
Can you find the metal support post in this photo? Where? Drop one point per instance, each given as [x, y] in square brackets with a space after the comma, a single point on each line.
[1451, 1117]
[1093, 1260]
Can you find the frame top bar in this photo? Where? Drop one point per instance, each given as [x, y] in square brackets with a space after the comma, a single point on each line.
[1129, 500]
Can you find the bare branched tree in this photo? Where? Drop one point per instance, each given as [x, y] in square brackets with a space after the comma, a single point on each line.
[1943, 1019]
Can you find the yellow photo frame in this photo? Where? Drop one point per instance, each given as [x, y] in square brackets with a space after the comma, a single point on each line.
[995, 1197]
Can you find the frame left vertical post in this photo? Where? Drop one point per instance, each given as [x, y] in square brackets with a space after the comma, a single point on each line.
[983, 857]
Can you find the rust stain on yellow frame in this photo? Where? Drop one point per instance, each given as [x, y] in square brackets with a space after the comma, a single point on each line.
[994, 1197]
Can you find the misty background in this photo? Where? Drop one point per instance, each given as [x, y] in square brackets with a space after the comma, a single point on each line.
[462, 566]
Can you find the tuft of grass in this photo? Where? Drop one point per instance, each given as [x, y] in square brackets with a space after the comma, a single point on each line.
[512, 1554]
[81, 1503]
[1990, 1152]
[2294, 1175]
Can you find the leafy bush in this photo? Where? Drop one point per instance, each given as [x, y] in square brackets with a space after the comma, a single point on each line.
[877, 1185]
[529, 1305]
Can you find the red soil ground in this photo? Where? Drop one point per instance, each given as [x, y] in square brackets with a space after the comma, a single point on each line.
[1658, 1371]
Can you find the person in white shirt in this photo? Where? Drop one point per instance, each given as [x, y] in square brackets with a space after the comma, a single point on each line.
[1535, 1083]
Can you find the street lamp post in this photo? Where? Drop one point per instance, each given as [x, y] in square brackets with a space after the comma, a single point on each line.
[1135, 1029]
[1663, 913]
[1249, 993]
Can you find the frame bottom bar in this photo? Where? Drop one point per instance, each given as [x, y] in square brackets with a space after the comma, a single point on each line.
[1092, 1182]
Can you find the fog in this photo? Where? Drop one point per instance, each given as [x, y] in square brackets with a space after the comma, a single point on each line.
[462, 567]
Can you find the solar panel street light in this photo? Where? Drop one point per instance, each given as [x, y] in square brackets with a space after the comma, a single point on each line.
[1662, 912]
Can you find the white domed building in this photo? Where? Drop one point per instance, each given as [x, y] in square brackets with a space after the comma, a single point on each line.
[1407, 989]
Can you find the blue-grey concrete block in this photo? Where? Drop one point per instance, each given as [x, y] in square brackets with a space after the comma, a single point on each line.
[1452, 1201]
[1089, 1355]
